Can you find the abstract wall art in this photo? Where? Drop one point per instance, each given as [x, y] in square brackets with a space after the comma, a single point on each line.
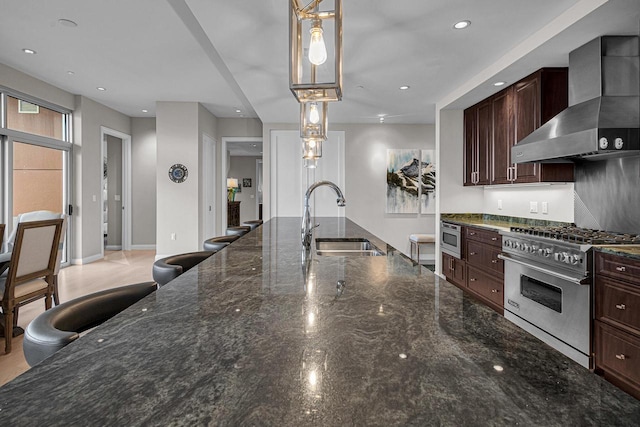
[403, 177]
[428, 182]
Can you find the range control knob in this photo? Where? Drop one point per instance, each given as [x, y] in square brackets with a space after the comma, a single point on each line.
[533, 249]
[575, 260]
[546, 252]
[507, 243]
[561, 256]
[524, 247]
[618, 143]
[603, 143]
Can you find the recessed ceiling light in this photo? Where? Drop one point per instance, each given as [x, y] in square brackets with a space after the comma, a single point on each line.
[405, 87]
[101, 89]
[499, 83]
[254, 145]
[29, 51]
[71, 73]
[67, 23]
[145, 111]
[462, 24]
[238, 111]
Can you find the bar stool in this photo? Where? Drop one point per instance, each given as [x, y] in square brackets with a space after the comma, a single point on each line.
[61, 325]
[254, 223]
[420, 239]
[219, 243]
[167, 269]
[240, 230]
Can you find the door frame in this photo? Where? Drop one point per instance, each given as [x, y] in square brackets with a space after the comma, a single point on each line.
[209, 185]
[223, 173]
[126, 184]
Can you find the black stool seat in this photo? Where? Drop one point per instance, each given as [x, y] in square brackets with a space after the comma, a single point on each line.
[220, 242]
[167, 269]
[254, 223]
[61, 325]
[240, 230]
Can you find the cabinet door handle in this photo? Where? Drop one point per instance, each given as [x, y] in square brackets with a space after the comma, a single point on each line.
[621, 268]
[494, 238]
[494, 291]
[472, 253]
[515, 173]
[620, 356]
[472, 233]
[471, 279]
[621, 306]
[494, 261]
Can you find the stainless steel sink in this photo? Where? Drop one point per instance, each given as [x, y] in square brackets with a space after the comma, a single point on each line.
[351, 246]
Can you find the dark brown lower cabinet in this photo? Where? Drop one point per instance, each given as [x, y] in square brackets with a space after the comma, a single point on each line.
[233, 214]
[454, 270]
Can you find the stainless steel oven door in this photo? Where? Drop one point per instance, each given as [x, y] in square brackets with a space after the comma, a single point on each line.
[551, 306]
[451, 239]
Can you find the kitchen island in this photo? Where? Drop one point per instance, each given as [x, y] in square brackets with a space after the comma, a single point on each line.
[258, 334]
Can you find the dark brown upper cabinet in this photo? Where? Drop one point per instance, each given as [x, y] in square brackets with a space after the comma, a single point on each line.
[496, 124]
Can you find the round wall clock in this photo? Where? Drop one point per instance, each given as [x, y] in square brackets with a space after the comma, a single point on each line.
[178, 173]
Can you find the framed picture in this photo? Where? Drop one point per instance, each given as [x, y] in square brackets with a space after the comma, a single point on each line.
[403, 177]
[428, 182]
[246, 182]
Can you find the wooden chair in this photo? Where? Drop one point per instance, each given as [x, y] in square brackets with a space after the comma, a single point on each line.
[30, 275]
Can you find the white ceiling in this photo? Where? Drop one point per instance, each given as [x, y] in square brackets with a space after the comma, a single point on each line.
[232, 55]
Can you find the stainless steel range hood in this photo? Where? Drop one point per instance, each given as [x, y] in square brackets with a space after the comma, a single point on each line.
[603, 117]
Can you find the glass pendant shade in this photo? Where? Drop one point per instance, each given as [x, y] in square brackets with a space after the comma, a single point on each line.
[315, 50]
[313, 120]
[311, 148]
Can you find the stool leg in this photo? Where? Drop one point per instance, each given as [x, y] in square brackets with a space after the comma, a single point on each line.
[418, 251]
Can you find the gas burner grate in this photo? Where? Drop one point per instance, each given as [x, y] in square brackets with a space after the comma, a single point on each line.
[580, 235]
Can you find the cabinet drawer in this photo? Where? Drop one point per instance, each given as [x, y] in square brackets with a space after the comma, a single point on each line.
[485, 285]
[618, 303]
[618, 355]
[485, 256]
[619, 267]
[485, 236]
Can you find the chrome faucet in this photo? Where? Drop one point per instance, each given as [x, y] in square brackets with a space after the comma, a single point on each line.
[307, 229]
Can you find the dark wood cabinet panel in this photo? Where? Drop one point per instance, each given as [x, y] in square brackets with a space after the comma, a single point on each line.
[233, 214]
[477, 137]
[617, 320]
[454, 270]
[538, 98]
[617, 356]
[487, 287]
[495, 125]
[485, 271]
[503, 136]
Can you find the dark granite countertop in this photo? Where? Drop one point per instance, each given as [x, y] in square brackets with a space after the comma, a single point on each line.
[256, 336]
[628, 251]
[496, 222]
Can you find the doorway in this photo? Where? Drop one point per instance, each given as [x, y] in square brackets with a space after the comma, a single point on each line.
[115, 221]
[238, 160]
[208, 186]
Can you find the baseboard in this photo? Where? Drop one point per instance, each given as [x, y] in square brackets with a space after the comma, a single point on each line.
[143, 247]
[113, 247]
[87, 260]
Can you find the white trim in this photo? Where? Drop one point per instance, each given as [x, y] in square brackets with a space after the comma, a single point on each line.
[259, 180]
[126, 183]
[87, 260]
[143, 247]
[113, 247]
[223, 173]
[209, 185]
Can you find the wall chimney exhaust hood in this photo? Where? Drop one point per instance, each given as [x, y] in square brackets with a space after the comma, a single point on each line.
[603, 117]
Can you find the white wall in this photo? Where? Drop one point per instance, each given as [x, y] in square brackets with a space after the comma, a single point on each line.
[143, 183]
[245, 167]
[366, 179]
[16, 80]
[178, 210]
[88, 117]
[516, 201]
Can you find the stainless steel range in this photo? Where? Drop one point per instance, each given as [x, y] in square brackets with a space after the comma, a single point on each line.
[547, 283]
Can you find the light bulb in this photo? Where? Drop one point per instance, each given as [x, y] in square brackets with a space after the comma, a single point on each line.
[317, 48]
[310, 153]
[314, 116]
